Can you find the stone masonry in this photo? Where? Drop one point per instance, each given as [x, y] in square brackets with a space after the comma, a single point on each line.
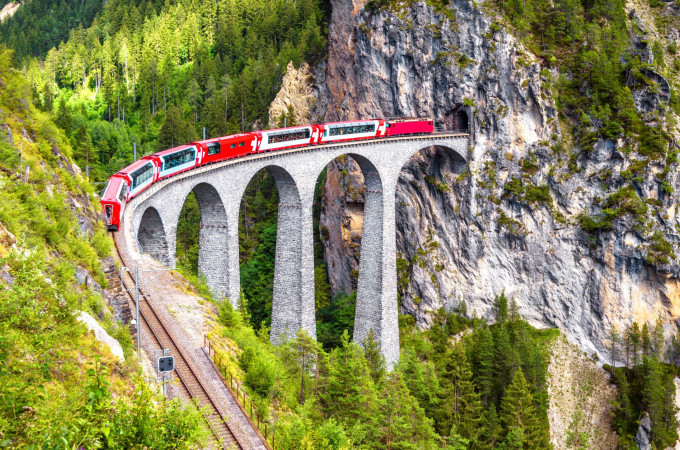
[219, 188]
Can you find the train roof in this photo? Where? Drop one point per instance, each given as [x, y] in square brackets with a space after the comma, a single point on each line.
[134, 166]
[348, 121]
[279, 130]
[222, 138]
[410, 119]
[112, 187]
[172, 150]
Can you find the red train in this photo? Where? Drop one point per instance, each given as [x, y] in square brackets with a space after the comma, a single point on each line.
[138, 176]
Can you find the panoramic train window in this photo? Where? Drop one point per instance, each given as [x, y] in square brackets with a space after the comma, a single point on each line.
[123, 191]
[288, 136]
[351, 129]
[178, 158]
[141, 175]
[214, 148]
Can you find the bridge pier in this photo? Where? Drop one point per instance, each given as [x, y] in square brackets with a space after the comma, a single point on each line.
[213, 240]
[288, 296]
[376, 307]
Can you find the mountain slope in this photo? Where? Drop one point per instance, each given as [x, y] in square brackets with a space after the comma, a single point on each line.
[59, 385]
[569, 202]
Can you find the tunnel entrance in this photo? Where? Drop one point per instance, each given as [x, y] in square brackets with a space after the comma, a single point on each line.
[457, 119]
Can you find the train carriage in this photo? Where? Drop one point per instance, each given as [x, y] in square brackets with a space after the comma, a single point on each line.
[175, 160]
[226, 147]
[400, 127]
[350, 131]
[284, 138]
[114, 200]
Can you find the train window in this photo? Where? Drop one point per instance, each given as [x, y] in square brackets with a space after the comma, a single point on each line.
[232, 146]
[178, 158]
[214, 148]
[352, 129]
[288, 136]
[141, 175]
[123, 192]
[240, 144]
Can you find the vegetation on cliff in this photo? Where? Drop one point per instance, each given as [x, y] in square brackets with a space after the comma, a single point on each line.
[59, 386]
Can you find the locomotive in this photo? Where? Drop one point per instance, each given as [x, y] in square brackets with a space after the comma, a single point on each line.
[140, 175]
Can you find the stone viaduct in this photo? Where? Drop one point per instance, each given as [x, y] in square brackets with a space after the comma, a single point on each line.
[151, 219]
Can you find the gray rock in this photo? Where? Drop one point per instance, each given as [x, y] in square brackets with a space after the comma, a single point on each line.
[652, 98]
[101, 335]
[633, 15]
[459, 234]
[642, 437]
[6, 277]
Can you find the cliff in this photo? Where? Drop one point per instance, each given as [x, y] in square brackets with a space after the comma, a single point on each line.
[518, 217]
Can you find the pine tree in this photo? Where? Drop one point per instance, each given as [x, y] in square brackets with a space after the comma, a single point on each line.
[614, 339]
[401, 422]
[460, 405]
[301, 355]
[376, 361]
[517, 410]
[634, 333]
[646, 340]
[501, 308]
[483, 362]
[658, 340]
[421, 379]
[350, 394]
[491, 430]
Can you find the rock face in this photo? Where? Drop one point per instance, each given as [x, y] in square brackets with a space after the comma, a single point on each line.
[643, 434]
[463, 232]
[580, 399]
[341, 223]
[297, 94]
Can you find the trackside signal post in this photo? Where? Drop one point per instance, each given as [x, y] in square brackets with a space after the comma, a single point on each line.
[164, 364]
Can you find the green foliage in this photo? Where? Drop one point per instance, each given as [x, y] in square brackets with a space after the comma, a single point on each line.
[156, 73]
[58, 385]
[460, 404]
[40, 26]
[588, 43]
[186, 250]
[660, 250]
[335, 319]
[623, 202]
[441, 186]
[517, 410]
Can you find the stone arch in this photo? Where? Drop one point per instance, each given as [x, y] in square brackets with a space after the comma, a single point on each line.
[151, 236]
[288, 297]
[369, 313]
[213, 238]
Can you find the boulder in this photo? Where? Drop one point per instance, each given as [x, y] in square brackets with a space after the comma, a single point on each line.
[101, 335]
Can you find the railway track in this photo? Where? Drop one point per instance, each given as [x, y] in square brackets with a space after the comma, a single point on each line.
[190, 384]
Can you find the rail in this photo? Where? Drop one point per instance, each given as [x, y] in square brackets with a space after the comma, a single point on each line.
[224, 435]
